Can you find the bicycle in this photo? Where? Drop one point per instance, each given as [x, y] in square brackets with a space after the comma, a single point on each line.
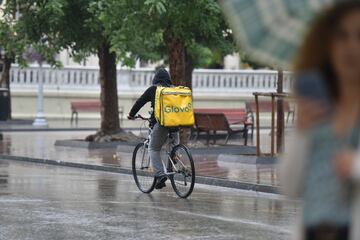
[179, 168]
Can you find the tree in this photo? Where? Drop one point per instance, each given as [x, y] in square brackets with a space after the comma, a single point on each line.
[14, 42]
[188, 25]
[81, 26]
[125, 30]
[12, 45]
[7, 58]
[179, 29]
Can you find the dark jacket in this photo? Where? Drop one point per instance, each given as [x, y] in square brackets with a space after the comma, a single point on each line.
[161, 78]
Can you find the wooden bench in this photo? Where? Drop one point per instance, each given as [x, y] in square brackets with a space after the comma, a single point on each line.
[202, 124]
[233, 115]
[214, 122]
[86, 106]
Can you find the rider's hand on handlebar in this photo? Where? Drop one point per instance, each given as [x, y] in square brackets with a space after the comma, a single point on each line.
[130, 117]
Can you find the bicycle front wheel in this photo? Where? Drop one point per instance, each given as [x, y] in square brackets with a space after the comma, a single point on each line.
[141, 168]
[182, 165]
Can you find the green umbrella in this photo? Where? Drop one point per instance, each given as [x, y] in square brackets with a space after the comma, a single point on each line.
[270, 31]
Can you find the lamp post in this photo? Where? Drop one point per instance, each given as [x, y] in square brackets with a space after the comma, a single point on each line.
[32, 56]
[40, 119]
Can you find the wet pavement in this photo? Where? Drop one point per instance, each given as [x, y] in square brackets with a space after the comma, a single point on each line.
[46, 202]
[56, 124]
[41, 145]
[26, 125]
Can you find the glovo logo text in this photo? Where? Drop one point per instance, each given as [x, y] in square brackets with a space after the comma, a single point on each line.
[173, 109]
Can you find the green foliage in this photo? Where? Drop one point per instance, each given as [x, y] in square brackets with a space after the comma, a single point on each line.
[129, 36]
[80, 26]
[146, 25]
[133, 28]
[17, 34]
[65, 24]
[11, 42]
[156, 6]
[184, 19]
[202, 56]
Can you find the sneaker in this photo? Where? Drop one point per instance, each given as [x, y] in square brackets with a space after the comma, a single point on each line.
[160, 182]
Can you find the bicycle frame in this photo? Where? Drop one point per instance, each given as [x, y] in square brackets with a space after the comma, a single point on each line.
[146, 144]
[169, 147]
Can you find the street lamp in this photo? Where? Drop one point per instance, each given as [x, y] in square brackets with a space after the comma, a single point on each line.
[40, 119]
[32, 56]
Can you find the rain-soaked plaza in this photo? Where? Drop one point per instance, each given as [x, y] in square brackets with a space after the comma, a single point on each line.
[223, 164]
[48, 202]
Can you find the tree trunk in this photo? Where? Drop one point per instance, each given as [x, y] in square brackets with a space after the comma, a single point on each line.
[189, 68]
[5, 82]
[110, 123]
[280, 114]
[176, 52]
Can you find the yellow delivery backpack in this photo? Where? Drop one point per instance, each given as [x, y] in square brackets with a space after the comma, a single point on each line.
[174, 107]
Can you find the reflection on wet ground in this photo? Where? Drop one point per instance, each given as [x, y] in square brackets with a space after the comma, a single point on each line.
[41, 145]
[47, 202]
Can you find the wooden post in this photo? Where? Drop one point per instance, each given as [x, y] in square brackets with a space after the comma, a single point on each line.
[272, 125]
[280, 126]
[258, 152]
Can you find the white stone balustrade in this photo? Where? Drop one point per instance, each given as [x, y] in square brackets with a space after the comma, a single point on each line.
[212, 88]
[204, 80]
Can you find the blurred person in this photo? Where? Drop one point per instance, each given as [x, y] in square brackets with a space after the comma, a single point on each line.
[322, 164]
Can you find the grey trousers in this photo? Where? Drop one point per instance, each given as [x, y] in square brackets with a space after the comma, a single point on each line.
[158, 138]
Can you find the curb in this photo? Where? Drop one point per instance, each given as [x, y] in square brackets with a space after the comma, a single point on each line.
[220, 182]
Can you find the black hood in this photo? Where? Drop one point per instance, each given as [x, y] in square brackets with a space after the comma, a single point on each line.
[162, 78]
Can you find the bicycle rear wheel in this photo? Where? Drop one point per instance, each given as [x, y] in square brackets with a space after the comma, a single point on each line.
[183, 179]
[141, 168]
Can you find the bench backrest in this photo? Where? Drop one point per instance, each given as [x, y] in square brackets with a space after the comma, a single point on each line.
[218, 121]
[202, 121]
[220, 110]
[265, 106]
[236, 116]
[85, 106]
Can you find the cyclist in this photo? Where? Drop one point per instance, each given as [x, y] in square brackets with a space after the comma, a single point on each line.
[159, 133]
